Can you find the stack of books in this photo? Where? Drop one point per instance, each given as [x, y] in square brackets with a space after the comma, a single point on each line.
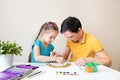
[17, 72]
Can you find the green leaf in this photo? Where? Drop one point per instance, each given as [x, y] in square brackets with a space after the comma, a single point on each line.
[7, 47]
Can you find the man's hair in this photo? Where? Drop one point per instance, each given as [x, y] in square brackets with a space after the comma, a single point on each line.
[71, 24]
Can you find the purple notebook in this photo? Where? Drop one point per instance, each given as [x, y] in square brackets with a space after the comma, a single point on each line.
[9, 76]
[17, 72]
[27, 66]
[20, 71]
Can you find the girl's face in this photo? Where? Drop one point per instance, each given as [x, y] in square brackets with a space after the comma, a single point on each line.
[49, 36]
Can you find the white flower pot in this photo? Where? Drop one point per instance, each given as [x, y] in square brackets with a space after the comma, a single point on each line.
[6, 61]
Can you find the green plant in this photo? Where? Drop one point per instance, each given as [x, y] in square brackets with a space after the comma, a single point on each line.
[6, 47]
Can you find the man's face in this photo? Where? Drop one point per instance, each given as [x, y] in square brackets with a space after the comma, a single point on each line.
[74, 37]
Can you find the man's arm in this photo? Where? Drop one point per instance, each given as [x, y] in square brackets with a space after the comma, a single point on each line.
[66, 53]
[101, 58]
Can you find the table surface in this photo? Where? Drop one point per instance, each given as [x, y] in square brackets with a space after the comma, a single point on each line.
[104, 73]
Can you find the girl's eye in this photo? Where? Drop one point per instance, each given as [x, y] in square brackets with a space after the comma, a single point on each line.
[50, 37]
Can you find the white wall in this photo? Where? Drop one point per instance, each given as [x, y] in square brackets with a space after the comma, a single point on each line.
[20, 21]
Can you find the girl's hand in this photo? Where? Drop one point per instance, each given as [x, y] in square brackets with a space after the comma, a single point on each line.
[60, 60]
[55, 54]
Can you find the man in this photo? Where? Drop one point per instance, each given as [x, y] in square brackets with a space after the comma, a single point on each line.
[83, 46]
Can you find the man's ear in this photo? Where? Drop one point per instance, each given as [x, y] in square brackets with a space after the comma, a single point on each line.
[79, 29]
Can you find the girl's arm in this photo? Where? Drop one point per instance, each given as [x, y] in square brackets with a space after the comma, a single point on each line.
[40, 58]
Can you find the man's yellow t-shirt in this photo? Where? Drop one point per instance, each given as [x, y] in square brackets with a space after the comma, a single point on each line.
[87, 48]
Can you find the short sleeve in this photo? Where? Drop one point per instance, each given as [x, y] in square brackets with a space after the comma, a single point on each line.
[67, 43]
[37, 42]
[97, 46]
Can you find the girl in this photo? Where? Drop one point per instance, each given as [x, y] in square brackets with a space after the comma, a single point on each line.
[42, 46]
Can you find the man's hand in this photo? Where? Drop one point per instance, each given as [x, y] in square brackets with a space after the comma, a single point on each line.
[82, 61]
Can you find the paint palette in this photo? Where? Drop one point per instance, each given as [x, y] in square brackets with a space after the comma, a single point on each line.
[57, 65]
[66, 73]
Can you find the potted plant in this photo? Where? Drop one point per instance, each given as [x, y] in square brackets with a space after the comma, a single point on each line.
[7, 51]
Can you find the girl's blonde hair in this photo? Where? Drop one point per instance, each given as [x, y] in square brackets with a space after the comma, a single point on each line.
[47, 26]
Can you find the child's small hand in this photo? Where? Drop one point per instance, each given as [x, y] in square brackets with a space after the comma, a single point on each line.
[60, 60]
[54, 53]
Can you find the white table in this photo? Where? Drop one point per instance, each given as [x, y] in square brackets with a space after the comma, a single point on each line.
[104, 73]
